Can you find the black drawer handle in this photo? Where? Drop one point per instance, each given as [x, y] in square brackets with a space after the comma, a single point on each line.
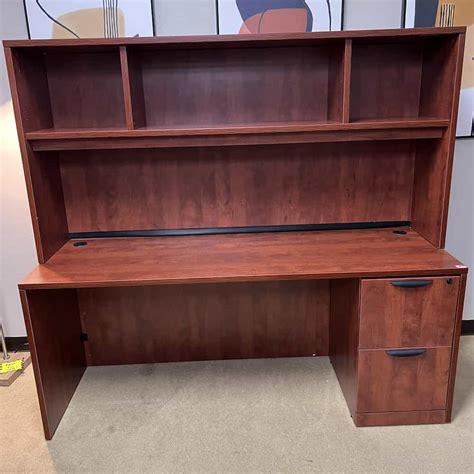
[405, 352]
[411, 283]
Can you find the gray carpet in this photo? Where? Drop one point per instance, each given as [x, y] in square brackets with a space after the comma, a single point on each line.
[234, 416]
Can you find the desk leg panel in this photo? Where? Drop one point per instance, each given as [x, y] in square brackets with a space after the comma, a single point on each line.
[344, 337]
[54, 334]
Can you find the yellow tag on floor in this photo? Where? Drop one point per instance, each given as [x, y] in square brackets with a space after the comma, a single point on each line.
[11, 366]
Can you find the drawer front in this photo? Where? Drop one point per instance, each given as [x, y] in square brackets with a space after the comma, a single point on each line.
[394, 383]
[407, 312]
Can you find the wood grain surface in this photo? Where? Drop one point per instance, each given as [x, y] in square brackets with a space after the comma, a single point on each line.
[242, 257]
[385, 80]
[244, 130]
[54, 329]
[205, 322]
[391, 316]
[111, 139]
[86, 90]
[229, 86]
[387, 383]
[344, 336]
[237, 186]
[400, 418]
[30, 97]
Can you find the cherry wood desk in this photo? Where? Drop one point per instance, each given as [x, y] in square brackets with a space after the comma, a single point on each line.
[225, 197]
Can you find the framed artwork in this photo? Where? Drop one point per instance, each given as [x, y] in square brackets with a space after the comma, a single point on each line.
[278, 16]
[89, 18]
[430, 13]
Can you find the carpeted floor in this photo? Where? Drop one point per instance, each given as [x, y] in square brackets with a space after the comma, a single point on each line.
[248, 415]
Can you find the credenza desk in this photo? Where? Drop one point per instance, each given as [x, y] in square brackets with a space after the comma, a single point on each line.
[199, 198]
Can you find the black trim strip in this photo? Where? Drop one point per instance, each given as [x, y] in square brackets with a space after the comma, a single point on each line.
[26, 19]
[342, 16]
[216, 3]
[15, 344]
[467, 327]
[153, 24]
[236, 230]
[403, 19]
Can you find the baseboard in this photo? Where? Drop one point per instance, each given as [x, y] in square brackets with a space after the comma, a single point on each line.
[16, 343]
[467, 327]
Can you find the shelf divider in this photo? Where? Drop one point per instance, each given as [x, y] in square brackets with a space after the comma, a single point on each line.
[127, 96]
[132, 89]
[346, 87]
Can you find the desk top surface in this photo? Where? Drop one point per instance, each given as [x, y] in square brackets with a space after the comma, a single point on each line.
[241, 257]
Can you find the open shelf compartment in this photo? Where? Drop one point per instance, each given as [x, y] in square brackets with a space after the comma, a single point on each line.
[70, 90]
[226, 87]
[402, 79]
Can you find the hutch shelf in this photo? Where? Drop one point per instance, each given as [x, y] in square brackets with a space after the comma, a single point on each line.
[223, 197]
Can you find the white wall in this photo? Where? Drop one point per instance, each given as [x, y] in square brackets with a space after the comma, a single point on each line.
[372, 14]
[185, 17]
[17, 251]
[460, 233]
[17, 248]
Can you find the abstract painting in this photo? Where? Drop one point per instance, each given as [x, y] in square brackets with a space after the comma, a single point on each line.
[89, 18]
[278, 16]
[429, 13]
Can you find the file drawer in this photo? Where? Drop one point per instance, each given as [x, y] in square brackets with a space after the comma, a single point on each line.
[403, 379]
[407, 312]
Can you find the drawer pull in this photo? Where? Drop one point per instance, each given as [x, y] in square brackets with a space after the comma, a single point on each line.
[405, 352]
[411, 283]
